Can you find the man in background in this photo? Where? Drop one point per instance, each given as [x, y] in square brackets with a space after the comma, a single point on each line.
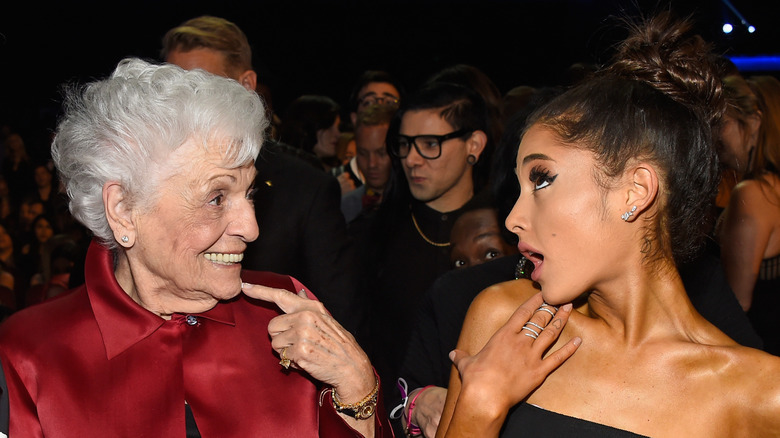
[372, 160]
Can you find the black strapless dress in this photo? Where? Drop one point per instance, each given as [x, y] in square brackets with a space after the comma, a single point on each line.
[766, 299]
[527, 420]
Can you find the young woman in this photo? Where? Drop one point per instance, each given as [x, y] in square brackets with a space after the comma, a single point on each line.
[616, 178]
[749, 228]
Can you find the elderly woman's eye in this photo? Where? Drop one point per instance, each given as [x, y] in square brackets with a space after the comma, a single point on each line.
[217, 200]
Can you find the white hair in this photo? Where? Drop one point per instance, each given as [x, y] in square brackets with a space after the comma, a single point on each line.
[124, 127]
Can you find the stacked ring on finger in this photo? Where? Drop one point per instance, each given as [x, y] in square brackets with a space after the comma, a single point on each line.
[535, 325]
[534, 334]
[544, 308]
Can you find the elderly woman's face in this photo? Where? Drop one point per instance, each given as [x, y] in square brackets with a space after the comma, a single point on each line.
[189, 244]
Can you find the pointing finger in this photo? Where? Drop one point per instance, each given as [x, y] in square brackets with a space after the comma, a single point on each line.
[286, 300]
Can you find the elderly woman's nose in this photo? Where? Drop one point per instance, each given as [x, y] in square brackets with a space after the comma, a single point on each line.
[244, 223]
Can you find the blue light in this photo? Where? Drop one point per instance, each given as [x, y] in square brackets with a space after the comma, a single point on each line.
[746, 63]
[727, 28]
[751, 29]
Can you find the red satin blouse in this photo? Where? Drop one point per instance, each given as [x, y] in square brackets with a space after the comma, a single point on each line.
[93, 363]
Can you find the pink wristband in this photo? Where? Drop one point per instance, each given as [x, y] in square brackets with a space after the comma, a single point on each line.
[411, 428]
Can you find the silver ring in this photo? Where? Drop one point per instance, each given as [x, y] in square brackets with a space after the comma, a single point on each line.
[544, 309]
[530, 335]
[531, 330]
[535, 325]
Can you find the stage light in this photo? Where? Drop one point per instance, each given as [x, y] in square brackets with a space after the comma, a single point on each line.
[727, 28]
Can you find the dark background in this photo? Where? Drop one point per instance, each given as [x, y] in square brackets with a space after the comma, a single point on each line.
[320, 47]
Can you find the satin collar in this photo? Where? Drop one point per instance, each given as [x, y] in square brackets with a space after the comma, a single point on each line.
[121, 321]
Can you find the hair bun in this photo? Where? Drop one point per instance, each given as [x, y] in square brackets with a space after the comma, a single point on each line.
[663, 52]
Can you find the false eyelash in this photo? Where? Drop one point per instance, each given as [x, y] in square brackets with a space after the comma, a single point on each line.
[540, 176]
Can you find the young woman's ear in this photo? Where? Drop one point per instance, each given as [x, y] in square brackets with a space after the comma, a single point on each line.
[641, 191]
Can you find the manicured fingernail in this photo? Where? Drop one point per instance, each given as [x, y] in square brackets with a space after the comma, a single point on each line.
[245, 285]
[452, 355]
[566, 307]
[577, 341]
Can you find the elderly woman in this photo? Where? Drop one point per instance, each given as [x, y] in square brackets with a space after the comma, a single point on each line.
[160, 341]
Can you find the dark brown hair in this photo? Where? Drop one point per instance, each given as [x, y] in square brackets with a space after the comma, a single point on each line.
[658, 101]
[767, 90]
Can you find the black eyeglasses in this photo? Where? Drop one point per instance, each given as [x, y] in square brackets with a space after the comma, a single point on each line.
[428, 146]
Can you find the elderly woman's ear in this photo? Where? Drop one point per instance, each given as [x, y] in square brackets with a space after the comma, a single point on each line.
[118, 213]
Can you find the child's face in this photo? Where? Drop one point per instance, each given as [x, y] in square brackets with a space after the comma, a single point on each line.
[476, 238]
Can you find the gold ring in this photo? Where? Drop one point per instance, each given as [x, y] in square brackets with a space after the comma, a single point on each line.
[285, 362]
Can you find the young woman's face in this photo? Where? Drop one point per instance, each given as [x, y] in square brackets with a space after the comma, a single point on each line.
[733, 148]
[563, 219]
[327, 140]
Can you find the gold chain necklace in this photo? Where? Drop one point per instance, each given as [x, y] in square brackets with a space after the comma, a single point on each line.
[419, 231]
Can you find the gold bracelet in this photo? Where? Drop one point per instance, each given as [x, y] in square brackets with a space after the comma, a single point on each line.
[361, 410]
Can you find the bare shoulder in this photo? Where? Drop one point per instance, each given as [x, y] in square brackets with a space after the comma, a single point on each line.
[750, 381]
[762, 371]
[754, 193]
[490, 310]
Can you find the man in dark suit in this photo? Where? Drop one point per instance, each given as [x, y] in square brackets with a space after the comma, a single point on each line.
[302, 230]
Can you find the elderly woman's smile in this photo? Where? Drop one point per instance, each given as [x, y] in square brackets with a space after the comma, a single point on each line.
[187, 241]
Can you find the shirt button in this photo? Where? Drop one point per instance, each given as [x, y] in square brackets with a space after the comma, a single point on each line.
[192, 320]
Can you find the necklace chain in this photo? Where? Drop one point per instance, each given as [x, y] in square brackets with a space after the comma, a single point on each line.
[419, 231]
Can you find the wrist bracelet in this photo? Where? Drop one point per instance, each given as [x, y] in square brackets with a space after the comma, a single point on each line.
[361, 410]
[398, 411]
[411, 428]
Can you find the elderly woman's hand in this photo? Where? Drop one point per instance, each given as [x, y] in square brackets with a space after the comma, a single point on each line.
[316, 343]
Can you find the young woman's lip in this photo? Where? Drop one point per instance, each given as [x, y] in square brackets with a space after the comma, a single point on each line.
[533, 256]
[526, 249]
[536, 272]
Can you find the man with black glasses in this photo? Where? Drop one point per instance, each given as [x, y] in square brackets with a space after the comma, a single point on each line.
[440, 148]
